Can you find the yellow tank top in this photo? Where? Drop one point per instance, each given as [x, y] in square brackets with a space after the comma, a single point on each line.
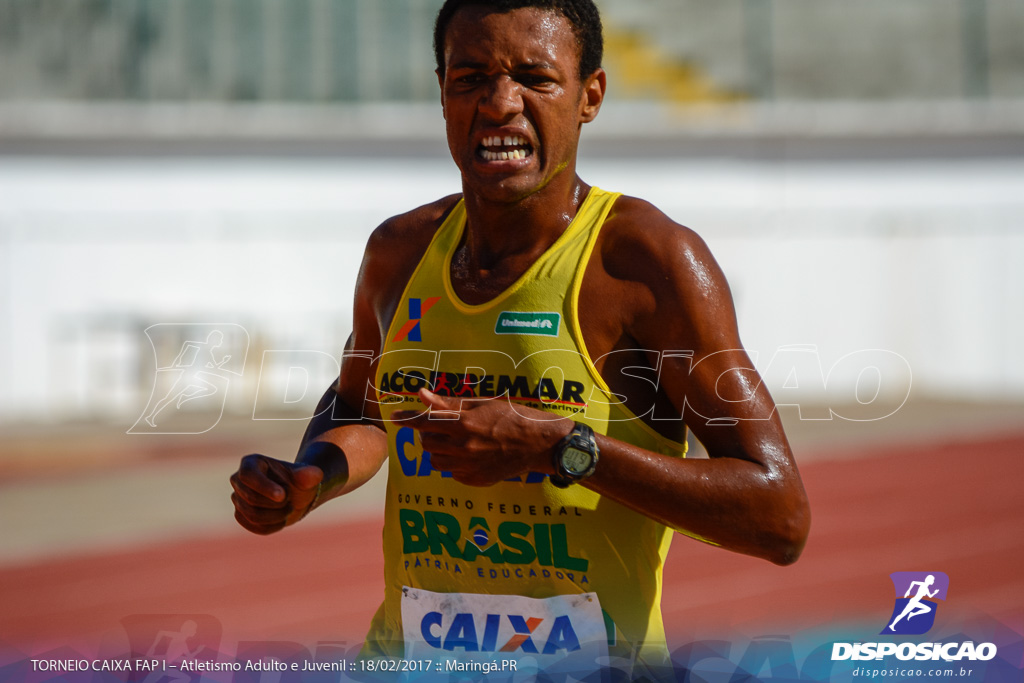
[524, 537]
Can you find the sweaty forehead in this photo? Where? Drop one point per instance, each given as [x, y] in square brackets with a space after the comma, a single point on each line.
[525, 35]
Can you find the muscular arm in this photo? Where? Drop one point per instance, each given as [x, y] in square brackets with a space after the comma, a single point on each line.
[747, 496]
[341, 450]
[344, 444]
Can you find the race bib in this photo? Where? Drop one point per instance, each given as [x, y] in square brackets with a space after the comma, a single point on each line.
[565, 633]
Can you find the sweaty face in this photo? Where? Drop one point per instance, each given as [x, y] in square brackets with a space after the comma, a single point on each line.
[513, 100]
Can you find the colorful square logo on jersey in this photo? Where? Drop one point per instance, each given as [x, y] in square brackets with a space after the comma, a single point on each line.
[916, 595]
[417, 309]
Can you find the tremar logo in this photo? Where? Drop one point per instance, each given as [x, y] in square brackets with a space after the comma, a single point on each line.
[914, 614]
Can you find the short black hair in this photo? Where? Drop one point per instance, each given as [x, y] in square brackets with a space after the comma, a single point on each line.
[581, 14]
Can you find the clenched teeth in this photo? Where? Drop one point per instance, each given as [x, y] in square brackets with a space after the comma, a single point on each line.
[498, 148]
[488, 155]
[508, 141]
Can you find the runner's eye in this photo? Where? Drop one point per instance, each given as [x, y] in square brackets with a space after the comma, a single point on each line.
[534, 80]
[470, 79]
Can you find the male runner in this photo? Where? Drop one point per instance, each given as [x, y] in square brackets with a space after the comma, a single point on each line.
[570, 335]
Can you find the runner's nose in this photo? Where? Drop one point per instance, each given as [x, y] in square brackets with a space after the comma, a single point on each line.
[502, 99]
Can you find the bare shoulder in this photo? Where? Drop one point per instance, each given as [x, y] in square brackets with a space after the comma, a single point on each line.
[671, 264]
[410, 232]
[392, 253]
[398, 244]
[640, 242]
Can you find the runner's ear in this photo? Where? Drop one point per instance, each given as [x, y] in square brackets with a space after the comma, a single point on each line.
[440, 83]
[592, 95]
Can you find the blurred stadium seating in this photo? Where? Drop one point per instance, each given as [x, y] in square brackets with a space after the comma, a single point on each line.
[371, 50]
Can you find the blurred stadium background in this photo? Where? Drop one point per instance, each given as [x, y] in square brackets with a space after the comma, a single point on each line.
[857, 168]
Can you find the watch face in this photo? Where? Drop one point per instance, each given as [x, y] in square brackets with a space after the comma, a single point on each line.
[576, 461]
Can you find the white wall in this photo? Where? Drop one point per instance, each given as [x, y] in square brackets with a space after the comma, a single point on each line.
[920, 258]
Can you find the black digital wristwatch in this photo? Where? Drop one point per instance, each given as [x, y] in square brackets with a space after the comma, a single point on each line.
[576, 456]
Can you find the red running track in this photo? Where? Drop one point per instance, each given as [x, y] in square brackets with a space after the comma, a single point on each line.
[951, 507]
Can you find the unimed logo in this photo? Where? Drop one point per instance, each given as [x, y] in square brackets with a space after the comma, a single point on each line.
[516, 322]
